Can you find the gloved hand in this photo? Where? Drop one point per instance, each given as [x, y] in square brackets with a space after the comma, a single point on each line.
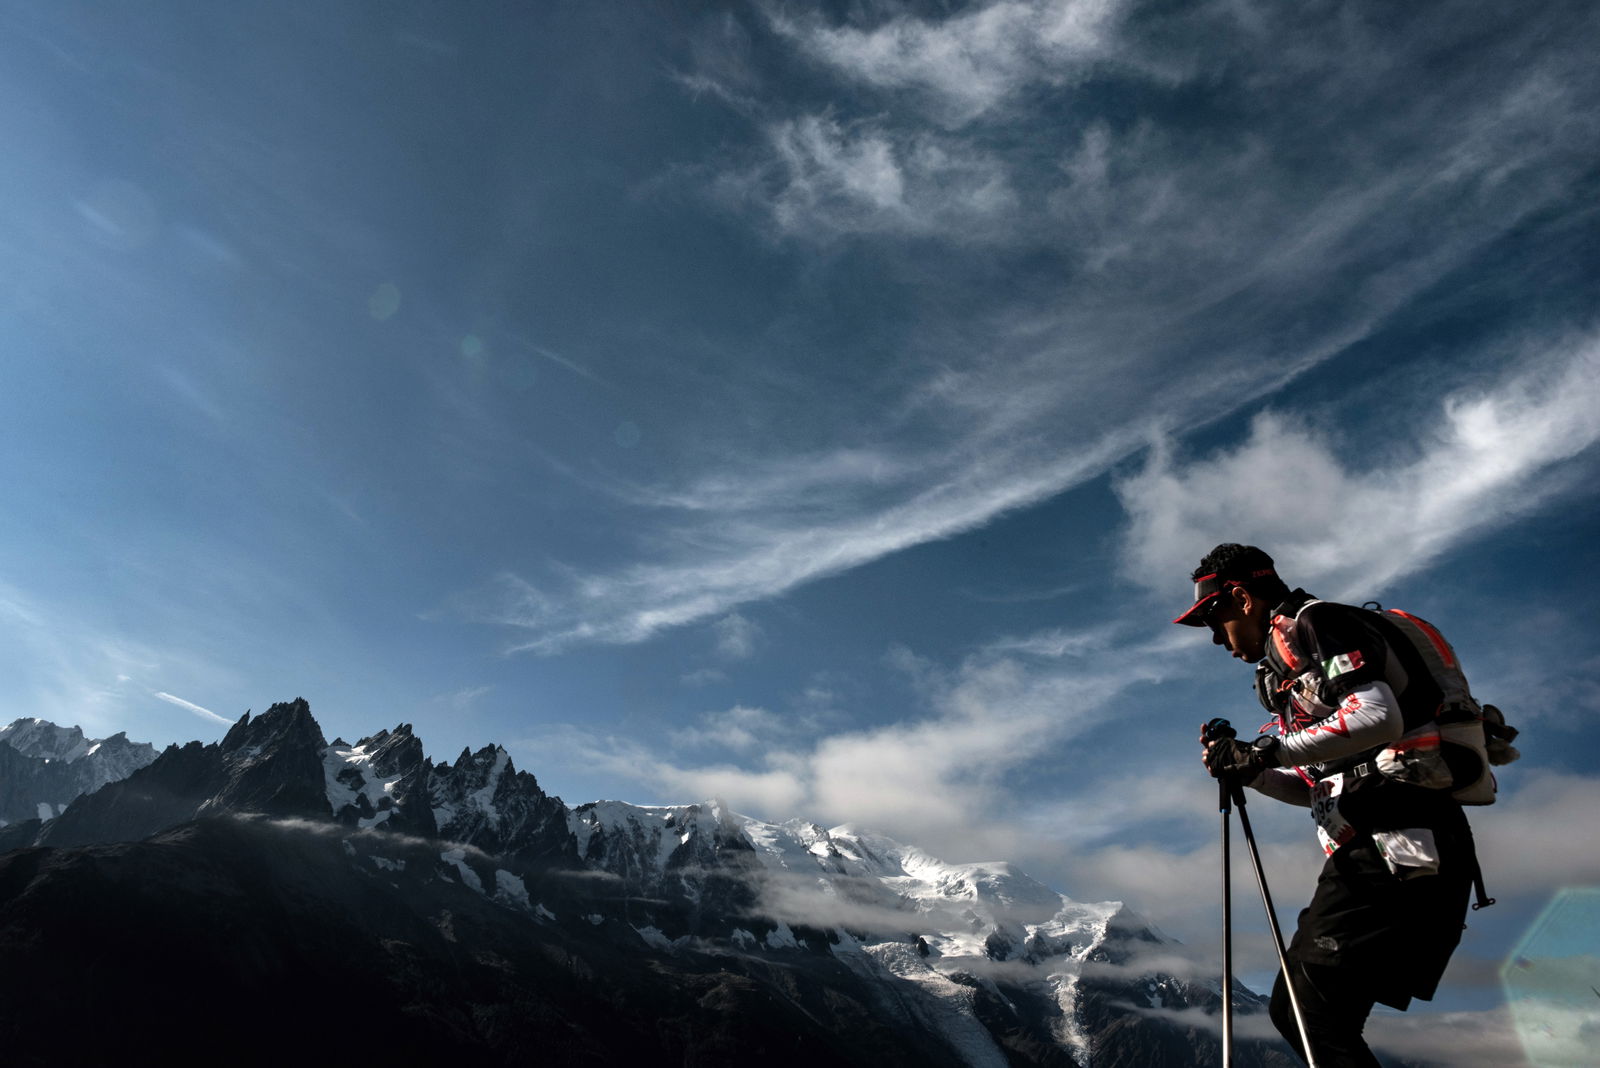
[1246, 760]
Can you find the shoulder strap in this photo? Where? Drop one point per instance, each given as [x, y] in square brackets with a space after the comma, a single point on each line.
[1281, 655]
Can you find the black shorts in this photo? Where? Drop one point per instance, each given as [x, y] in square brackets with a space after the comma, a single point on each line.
[1393, 935]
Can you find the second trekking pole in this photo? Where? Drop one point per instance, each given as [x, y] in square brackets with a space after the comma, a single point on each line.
[1272, 919]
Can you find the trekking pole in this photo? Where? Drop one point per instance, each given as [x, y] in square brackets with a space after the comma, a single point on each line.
[1217, 729]
[1225, 802]
[1272, 920]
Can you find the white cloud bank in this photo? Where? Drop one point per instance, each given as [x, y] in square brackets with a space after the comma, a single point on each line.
[1460, 1039]
[1528, 842]
[1490, 457]
[942, 781]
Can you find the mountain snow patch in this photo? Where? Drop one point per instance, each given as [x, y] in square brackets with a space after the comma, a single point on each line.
[483, 798]
[510, 888]
[653, 937]
[458, 857]
[345, 766]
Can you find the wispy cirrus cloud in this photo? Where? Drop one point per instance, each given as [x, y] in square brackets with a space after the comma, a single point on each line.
[190, 706]
[463, 699]
[764, 547]
[1157, 274]
[73, 671]
[822, 177]
[737, 636]
[742, 728]
[968, 64]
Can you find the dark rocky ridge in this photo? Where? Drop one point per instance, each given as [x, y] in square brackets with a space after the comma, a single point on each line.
[450, 910]
[271, 765]
[250, 939]
[25, 779]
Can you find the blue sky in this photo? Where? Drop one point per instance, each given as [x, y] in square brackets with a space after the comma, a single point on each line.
[819, 406]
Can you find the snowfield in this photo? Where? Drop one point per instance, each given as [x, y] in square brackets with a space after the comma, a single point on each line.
[888, 910]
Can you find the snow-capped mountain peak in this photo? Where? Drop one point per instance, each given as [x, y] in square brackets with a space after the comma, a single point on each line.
[884, 908]
[483, 800]
[381, 780]
[354, 783]
[44, 767]
[44, 740]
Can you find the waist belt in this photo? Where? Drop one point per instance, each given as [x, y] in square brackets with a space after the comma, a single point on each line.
[1361, 770]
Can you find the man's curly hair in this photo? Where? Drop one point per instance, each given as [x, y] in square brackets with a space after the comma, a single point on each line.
[1243, 564]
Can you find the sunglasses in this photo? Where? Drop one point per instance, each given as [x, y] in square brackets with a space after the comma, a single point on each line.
[1208, 614]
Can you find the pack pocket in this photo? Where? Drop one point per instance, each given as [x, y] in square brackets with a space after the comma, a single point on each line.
[1418, 759]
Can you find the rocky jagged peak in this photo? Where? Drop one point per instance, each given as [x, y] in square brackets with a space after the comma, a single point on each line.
[484, 800]
[483, 759]
[490, 768]
[287, 722]
[272, 764]
[397, 747]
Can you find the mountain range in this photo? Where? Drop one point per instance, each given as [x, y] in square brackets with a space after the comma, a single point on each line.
[275, 896]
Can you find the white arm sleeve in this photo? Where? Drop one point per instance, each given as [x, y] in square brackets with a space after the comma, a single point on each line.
[1283, 784]
[1368, 717]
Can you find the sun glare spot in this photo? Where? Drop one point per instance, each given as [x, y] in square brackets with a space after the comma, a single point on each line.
[384, 302]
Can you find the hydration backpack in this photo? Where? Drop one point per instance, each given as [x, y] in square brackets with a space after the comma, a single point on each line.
[1456, 749]
[1452, 750]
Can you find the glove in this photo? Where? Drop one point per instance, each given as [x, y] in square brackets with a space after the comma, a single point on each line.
[1246, 760]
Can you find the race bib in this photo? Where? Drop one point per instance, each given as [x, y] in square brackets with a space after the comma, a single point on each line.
[1332, 830]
